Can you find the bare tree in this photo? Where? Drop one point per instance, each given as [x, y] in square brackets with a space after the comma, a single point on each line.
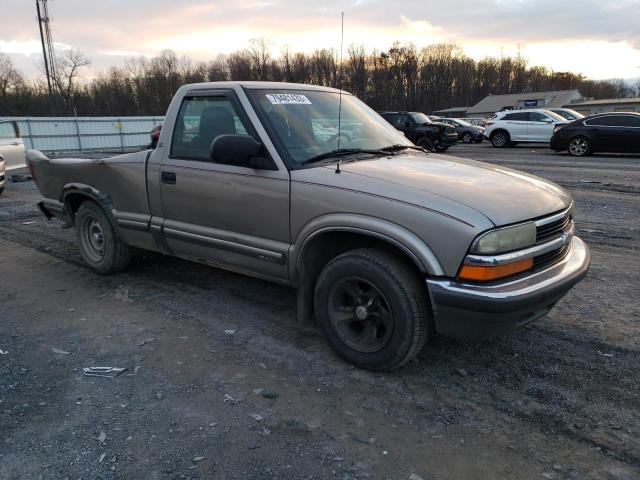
[68, 65]
[9, 76]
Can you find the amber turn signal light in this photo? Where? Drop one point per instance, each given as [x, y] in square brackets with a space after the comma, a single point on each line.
[486, 273]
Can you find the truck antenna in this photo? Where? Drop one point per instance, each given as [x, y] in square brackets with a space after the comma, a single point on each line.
[340, 87]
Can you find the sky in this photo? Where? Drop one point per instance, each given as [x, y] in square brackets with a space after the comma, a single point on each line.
[599, 38]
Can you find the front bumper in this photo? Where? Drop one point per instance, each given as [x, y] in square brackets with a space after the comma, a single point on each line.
[557, 143]
[474, 310]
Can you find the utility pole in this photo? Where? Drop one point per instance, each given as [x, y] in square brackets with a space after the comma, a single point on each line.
[48, 51]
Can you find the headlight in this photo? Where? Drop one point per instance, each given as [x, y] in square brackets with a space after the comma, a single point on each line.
[505, 239]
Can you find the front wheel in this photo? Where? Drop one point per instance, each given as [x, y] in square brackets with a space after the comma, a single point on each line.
[372, 308]
[579, 146]
[425, 143]
[466, 138]
[500, 139]
[99, 244]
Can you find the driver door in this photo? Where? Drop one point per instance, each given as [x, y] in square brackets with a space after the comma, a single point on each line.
[232, 216]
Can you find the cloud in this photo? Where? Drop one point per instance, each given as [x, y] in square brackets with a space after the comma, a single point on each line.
[203, 28]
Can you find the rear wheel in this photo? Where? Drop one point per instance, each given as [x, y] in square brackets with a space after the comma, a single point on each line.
[500, 139]
[99, 244]
[372, 309]
[579, 146]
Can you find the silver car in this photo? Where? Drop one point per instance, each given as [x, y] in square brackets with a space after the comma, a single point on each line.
[303, 185]
[11, 149]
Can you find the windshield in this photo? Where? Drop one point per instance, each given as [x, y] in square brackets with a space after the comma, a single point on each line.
[568, 114]
[464, 123]
[420, 118]
[555, 116]
[305, 123]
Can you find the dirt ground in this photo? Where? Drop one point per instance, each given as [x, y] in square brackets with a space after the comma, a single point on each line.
[221, 381]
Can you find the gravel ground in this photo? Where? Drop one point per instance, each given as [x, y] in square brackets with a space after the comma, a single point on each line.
[222, 382]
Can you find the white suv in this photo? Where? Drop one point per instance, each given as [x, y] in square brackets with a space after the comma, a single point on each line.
[509, 127]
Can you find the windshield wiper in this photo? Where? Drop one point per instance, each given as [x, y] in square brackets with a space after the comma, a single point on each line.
[343, 152]
[396, 147]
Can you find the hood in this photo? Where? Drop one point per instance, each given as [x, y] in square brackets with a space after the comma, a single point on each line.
[501, 194]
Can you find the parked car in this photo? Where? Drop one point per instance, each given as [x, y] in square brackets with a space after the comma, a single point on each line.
[467, 133]
[567, 113]
[386, 243]
[509, 127]
[11, 145]
[422, 131]
[480, 122]
[2, 174]
[603, 132]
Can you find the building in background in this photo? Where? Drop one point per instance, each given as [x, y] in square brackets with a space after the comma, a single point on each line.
[453, 112]
[608, 105]
[518, 101]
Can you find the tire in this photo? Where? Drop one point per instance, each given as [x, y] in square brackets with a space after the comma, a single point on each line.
[370, 291]
[500, 139]
[1, 190]
[580, 147]
[466, 138]
[425, 143]
[100, 247]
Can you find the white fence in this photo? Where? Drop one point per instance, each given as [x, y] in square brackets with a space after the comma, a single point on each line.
[85, 134]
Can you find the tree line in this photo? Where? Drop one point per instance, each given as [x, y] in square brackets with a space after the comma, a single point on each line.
[402, 78]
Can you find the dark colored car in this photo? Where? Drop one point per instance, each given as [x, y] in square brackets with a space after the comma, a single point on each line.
[422, 131]
[467, 133]
[603, 132]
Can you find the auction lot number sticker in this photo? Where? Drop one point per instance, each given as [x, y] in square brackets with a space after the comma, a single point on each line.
[288, 99]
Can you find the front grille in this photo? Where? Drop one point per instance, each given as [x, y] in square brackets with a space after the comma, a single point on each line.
[549, 231]
[549, 258]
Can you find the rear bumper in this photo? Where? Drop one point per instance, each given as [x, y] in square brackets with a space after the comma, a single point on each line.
[475, 311]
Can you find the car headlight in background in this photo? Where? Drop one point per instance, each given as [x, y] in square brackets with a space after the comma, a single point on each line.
[505, 239]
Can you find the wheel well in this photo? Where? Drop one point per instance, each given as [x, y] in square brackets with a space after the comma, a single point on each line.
[499, 130]
[73, 201]
[323, 248]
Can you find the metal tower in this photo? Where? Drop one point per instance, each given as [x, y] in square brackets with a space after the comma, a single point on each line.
[48, 51]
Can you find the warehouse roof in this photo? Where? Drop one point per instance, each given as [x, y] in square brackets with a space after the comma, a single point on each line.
[496, 103]
[606, 101]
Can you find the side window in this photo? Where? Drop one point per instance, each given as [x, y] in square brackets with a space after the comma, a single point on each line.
[538, 117]
[200, 120]
[519, 116]
[7, 130]
[630, 121]
[608, 121]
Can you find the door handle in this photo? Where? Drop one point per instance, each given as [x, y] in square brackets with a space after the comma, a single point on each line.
[168, 177]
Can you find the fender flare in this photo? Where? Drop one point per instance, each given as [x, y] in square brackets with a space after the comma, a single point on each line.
[414, 247]
[103, 200]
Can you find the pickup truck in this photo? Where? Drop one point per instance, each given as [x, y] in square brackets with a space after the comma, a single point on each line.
[386, 243]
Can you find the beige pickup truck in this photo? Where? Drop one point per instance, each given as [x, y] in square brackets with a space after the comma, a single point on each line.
[386, 243]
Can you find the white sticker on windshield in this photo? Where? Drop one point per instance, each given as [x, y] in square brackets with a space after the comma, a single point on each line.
[288, 99]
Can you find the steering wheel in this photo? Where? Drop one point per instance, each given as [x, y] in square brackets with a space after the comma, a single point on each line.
[333, 138]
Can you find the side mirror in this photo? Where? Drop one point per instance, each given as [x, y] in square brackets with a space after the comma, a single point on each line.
[234, 149]
[547, 120]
